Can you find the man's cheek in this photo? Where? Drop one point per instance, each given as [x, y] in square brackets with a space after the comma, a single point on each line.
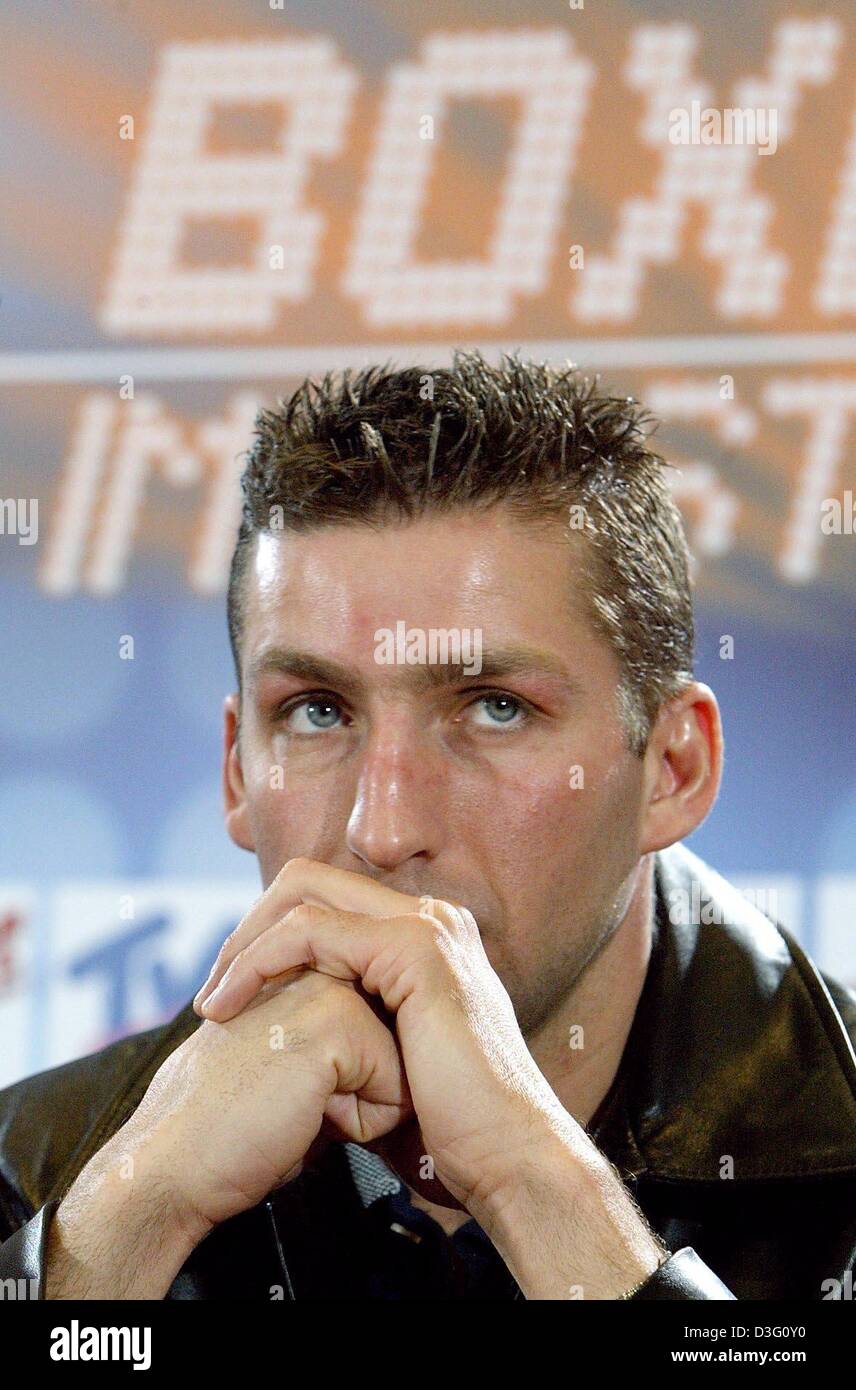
[565, 816]
[279, 827]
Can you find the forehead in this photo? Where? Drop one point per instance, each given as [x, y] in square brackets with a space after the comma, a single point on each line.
[332, 588]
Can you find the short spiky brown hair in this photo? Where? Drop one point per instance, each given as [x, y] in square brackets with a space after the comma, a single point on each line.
[367, 447]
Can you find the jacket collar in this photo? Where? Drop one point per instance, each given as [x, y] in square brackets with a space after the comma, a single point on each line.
[736, 1049]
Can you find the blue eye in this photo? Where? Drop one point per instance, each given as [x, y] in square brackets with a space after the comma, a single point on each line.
[317, 711]
[507, 705]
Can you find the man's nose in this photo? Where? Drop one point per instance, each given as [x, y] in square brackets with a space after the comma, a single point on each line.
[399, 807]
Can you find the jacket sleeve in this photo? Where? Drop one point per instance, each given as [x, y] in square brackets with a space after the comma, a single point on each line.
[683, 1276]
[23, 1255]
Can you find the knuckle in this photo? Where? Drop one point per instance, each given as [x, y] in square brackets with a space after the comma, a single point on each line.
[437, 925]
[457, 918]
[429, 942]
[337, 1014]
[469, 921]
[303, 914]
[438, 930]
[292, 867]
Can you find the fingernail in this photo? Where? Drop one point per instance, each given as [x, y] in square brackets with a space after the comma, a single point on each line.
[212, 998]
[200, 993]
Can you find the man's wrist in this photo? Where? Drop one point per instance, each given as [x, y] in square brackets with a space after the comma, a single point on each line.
[567, 1227]
[118, 1233]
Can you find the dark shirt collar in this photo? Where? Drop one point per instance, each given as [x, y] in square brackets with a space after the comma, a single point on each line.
[372, 1178]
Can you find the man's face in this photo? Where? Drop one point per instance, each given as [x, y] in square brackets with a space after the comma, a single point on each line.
[469, 790]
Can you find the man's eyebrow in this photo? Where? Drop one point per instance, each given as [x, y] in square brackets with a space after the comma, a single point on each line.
[513, 660]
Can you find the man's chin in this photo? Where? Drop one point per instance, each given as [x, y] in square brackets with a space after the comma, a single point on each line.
[404, 1151]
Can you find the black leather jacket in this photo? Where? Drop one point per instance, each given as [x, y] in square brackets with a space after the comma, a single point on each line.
[732, 1119]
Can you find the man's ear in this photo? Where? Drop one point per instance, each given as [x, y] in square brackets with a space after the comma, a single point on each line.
[234, 795]
[683, 767]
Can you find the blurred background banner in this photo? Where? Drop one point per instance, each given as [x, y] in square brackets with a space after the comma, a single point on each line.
[202, 204]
